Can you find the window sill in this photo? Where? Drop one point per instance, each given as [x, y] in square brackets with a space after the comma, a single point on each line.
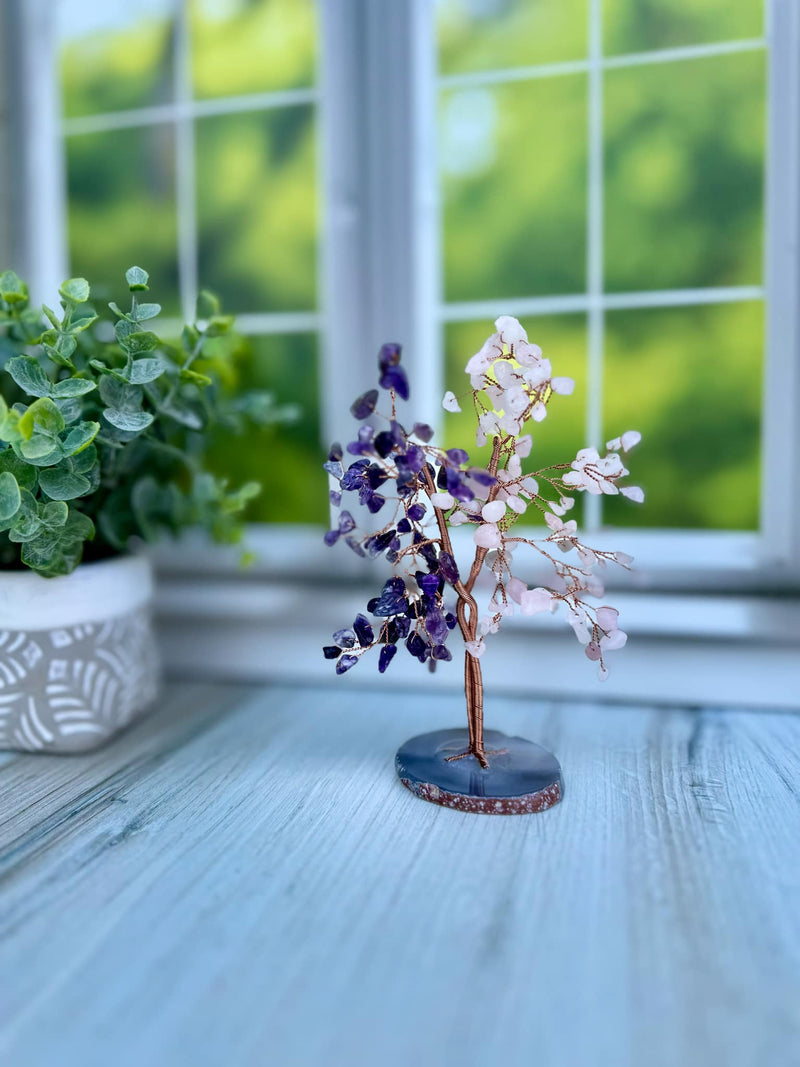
[732, 650]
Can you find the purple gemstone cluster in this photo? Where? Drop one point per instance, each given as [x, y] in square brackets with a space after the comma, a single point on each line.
[398, 468]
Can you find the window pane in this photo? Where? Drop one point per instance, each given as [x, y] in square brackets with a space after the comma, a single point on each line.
[558, 438]
[513, 160]
[495, 34]
[256, 208]
[690, 380]
[252, 46]
[641, 25]
[115, 55]
[121, 190]
[684, 158]
[287, 460]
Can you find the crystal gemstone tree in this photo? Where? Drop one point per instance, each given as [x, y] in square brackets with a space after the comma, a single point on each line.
[422, 493]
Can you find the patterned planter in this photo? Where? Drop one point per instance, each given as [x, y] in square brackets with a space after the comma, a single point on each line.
[78, 658]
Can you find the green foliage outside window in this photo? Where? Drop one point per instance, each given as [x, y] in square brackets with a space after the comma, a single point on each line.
[683, 148]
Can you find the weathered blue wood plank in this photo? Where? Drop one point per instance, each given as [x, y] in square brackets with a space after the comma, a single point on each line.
[257, 888]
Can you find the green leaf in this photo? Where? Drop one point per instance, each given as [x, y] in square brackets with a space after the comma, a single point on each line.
[194, 378]
[27, 523]
[123, 329]
[119, 394]
[218, 325]
[12, 289]
[41, 450]
[61, 350]
[75, 290]
[147, 311]
[81, 324]
[70, 387]
[28, 375]
[189, 339]
[138, 342]
[9, 496]
[84, 460]
[137, 279]
[43, 554]
[146, 370]
[54, 513]
[129, 421]
[22, 471]
[207, 305]
[44, 416]
[79, 527]
[9, 425]
[180, 411]
[71, 408]
[80, 437]
[149, 502]
[51, 315]
[61, 484]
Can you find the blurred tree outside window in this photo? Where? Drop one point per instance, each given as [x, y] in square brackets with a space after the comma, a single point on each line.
[191, 141]
[540, 126]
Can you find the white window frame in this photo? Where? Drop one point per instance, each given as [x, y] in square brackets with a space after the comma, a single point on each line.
[399, 137]
[380, 262]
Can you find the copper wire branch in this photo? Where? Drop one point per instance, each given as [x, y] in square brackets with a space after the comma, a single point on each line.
[467, 615]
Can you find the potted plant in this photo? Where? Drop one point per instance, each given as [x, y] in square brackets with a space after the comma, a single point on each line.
[427, 491]
[102, 425]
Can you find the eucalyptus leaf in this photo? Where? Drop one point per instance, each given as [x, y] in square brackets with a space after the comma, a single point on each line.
[136, 278]
[147, 311]
[78, 527]
[219, 324]
[83, 323]
[84, 460]
[120, 394]
[12, 289]
[71, 409]
[40, 447]
[42, 416]
[193, 377]
[184, 414]
[29, 376]
[140, 341]
[146, 370]
[9, 496]
[71, 387]
[44, 554]
[207, 305]
[189, 339]
[75, 290]
[61, 484]
[53, 514]
[79, 437]
[129, 421]
[24, 474]
[27, 523]
[123, 329]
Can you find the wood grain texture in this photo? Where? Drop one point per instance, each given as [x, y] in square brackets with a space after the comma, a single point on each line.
[242, 880]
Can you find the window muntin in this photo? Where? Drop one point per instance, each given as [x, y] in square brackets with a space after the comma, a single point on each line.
[190, 136]
[658, 197]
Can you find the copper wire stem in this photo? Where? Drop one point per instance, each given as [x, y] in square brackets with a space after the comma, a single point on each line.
[467, 615]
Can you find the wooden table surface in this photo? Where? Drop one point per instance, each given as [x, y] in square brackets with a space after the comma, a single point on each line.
[241, 880]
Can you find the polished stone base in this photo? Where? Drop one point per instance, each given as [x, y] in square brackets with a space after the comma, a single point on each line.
[521, 778]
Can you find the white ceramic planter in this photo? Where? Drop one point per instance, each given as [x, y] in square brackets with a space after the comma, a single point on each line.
[78, 658]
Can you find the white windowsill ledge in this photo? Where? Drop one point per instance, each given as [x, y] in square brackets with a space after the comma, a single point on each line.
[732, 650]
